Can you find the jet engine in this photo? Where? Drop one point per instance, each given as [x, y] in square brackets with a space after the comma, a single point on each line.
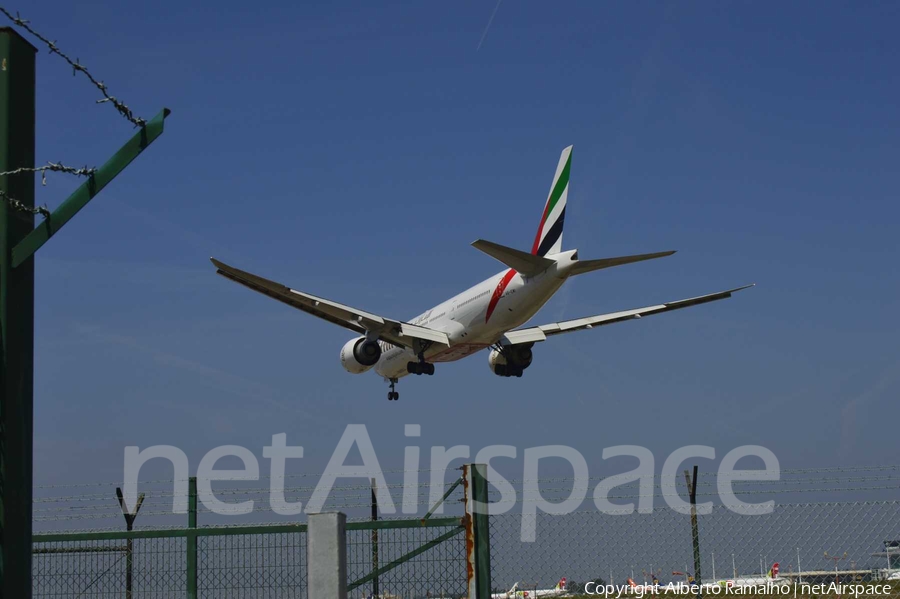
[359, 355]
[512, 361]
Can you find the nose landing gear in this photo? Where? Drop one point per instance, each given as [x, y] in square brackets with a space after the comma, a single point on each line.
[392, 394]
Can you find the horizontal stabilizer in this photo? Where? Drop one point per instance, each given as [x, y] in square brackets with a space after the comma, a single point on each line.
[583, 266]
[523, 262]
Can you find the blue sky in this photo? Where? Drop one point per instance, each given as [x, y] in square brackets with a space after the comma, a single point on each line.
[354, 151]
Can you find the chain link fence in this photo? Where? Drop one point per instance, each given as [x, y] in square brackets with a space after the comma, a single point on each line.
[421, 561]
[393, 557]
[227, 562]
[86, 567]
[850, 533]
[260, 564]
[589, 545]
[812, 526]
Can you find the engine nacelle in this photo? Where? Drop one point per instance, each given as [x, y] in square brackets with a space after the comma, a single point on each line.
[359, 355]
[512, 362]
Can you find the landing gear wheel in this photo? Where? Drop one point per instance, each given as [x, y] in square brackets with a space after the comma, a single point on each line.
[392, 394]
[420, 368]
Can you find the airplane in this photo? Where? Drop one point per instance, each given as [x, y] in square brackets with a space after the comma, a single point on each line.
[486, 316]
[514, 593]
[771, 578]
[510, 594]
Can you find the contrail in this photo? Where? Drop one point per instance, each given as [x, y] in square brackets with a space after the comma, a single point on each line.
[488, 26]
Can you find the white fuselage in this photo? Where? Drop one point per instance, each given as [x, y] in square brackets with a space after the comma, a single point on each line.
[542, 593]
[515, 593]
[478, 317]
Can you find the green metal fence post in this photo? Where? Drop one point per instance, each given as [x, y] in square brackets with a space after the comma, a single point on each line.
[192, 539]
[481, 529]
[375, 582]
[695, 529]
[19, 239]
[129, 543]
[17, 76]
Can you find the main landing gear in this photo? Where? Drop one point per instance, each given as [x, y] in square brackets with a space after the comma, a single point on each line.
[392, 394]
[508, 370]
[420, 367]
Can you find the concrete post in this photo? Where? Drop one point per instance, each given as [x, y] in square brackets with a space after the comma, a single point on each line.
[326, 556]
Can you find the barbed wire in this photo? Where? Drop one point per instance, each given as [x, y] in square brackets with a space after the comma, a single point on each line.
[20, 207]
[535, 497]
[820, 470]
[76, 68]
[57, 167]
[222, 511]
[163, 508]
[343, 490]
[735, 482]
[112, 511]
[262, 508]
[362, 495]
[170, 481]
[79, 503]
[510, 514]
[744, 474]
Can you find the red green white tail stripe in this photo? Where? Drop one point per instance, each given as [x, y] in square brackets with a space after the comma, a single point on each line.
[549, 234]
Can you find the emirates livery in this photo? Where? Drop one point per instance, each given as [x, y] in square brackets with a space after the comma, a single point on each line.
[484, 316]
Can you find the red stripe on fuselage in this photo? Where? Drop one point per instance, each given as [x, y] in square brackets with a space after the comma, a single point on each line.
[457, 352]
[498, 292]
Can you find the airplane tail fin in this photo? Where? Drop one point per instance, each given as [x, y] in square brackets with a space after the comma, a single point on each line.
[561, 585]
[773, 571]
[549, 234]
[512, 590]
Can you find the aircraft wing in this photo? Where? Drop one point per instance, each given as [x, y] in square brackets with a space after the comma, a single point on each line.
[393, 331]
[540, 333]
